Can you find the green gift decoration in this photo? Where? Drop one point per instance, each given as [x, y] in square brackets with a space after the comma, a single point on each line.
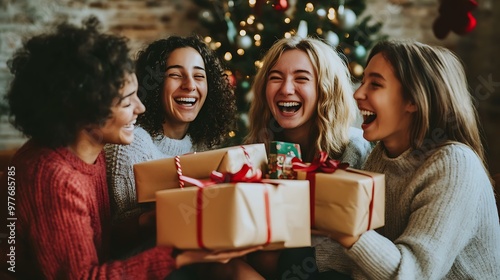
[280, 159]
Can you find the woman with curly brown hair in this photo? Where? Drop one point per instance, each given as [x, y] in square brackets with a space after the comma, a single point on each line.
[190, 106]
[73, 91]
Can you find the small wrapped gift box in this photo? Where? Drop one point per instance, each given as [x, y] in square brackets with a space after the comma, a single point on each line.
[234, 215]
[280, 159]
[152, 176]
[346, 200]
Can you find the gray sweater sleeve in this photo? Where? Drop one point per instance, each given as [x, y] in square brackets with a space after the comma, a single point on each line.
[441, 220]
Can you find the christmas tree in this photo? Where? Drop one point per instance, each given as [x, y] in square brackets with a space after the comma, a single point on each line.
[241, 31]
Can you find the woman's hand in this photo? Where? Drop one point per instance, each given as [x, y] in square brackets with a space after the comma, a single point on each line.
[198, 256]
[345, 240]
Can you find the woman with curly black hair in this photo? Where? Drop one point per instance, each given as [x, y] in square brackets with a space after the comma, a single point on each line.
[163, 83]
[190, 107]
[73, 91]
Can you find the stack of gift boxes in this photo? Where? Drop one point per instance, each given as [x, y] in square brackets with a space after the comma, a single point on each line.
[240, 196]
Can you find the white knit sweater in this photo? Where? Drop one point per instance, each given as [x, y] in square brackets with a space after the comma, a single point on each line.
[441, 221]
[120, 160]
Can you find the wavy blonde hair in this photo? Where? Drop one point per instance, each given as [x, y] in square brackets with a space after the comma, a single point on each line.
[434, 79]
[336, 109]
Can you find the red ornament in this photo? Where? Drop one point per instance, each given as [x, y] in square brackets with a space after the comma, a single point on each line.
[281, 5]
[231, 78]
[455, 16]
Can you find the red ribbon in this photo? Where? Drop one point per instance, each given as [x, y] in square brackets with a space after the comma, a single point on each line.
[324, 165]
[370, 206]
[320, 163]
[217, 178]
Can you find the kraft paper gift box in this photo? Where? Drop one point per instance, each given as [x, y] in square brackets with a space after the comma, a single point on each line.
[155, 175]
[234, 215]
[280, 159]
[348, 200]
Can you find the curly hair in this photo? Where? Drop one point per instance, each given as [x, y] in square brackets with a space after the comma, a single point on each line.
[336, 109]
[218, 113]
[65, 80]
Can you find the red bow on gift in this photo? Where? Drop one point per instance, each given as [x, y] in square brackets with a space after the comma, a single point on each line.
[320, 163]
[246, 174]
[240, 176]
[218, 177]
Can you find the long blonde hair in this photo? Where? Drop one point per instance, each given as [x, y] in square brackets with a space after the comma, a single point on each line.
[336, 108]
[434, 79]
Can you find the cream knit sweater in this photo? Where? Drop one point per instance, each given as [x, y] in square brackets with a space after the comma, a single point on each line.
[441, 221]
[120, 160]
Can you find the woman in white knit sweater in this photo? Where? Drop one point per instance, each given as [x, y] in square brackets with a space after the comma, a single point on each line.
[190, 106]
[441, 218]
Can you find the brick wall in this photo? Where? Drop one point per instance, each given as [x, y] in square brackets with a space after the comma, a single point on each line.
[141, 21]
[144, 21]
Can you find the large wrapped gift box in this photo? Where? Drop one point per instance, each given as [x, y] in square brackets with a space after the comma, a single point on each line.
[155, 175]
[235, 215]
[348, 200]
[280, 159]
[297, 208]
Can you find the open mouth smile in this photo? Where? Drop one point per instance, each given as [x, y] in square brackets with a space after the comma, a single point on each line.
[368, 116]
[130, 125]
[289, 107]
[186, 101]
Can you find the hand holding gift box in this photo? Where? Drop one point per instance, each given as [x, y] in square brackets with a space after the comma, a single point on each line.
[343, 199]
[234, 215]
[161, 174]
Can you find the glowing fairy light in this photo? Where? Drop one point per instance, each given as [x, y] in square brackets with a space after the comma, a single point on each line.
[309, 7]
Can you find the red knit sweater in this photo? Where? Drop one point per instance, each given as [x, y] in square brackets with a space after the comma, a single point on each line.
[63, 222]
